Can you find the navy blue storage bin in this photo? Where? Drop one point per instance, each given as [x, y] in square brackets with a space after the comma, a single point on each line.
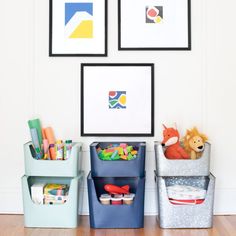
[121, 168]
[116, 216]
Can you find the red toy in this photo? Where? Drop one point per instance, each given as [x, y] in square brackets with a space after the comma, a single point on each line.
[186, 202]
[172, 144]
[114, 189]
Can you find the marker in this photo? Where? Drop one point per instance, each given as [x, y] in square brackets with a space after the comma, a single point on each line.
[35, 140]
[33, 153]
[67, 149]
[59, 150]
[46, 149]
[52, 151]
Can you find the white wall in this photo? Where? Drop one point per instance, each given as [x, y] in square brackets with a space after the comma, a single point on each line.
[191, 88]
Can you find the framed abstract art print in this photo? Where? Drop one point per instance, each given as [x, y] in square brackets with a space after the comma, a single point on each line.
[154, 25]
[117, 99]
[78, 28]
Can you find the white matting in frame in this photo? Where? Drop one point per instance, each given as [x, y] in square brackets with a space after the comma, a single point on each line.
[78, 28]
[154, 24]
[117, 99]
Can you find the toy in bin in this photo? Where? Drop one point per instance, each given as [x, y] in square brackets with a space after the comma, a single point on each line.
[114, 189]
[120, 151]
[116, 199]
[53, 199]
[49, 193]
[37, 193]
[56, 189]
[185, 195]
[117, 195]
[172, 144]
[194, 143]
[128, 198]
[55, 193]
[105, 199]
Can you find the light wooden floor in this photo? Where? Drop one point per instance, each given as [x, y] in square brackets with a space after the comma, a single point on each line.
[13, 225]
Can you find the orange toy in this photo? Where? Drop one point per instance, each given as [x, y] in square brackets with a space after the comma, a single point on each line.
[114, 189]
[194, 143]
[172, 144]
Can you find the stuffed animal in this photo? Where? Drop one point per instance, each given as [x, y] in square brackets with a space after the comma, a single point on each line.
[194, 143]
[172, 144]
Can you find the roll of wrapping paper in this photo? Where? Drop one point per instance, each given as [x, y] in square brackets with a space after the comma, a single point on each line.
[49, 135]
[36, 124]
[43, 133]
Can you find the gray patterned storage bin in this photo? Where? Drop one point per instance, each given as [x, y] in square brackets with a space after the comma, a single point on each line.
[185, 216]
[167, 167]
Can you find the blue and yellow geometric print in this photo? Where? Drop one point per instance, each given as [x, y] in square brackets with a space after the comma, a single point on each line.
[79, 18]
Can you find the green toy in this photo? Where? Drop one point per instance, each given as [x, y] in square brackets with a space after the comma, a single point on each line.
[116, 152]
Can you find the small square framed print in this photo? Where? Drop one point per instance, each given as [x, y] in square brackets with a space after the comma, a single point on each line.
[78, 28]
[154, 25]
[117, 99]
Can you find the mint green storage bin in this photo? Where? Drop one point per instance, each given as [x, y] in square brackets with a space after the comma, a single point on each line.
[70, 167]
[53, 216]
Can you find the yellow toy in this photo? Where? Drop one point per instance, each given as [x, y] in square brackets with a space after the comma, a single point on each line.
[194, 143]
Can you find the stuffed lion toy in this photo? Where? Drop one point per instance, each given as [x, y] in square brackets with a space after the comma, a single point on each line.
[194, 143]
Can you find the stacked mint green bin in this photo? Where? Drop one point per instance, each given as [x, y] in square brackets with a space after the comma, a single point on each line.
[58, 172]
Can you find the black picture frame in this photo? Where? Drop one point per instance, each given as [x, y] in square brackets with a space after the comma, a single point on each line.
[147, 48]
[119, 66]
[76, 54]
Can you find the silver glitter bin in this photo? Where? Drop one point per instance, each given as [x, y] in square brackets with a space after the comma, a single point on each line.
[185, 216]
[183, 167]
